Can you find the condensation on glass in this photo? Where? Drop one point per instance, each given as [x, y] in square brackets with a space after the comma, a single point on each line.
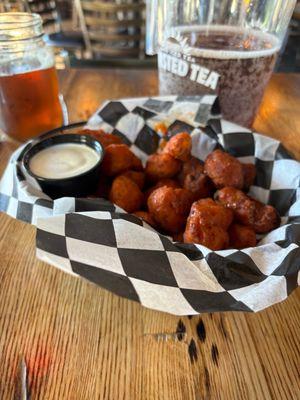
[227, 47]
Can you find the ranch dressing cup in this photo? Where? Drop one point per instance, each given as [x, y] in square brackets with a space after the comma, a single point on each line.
[227, 48]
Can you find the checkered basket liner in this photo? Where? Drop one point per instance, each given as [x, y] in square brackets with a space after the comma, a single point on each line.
[95, 239]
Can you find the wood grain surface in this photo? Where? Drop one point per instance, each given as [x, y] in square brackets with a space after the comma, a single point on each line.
[82, 342]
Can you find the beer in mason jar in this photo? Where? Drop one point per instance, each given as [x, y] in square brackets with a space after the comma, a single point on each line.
[29, 93]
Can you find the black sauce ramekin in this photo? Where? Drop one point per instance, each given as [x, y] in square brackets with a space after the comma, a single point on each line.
[80, 185]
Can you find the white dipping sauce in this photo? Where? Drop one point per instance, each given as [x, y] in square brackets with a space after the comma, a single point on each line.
[63, 161]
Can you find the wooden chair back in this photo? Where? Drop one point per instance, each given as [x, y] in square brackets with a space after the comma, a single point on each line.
[113, 28]
[47, 9]
[12, 6]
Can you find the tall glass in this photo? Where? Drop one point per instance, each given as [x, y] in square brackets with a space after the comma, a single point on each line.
[227, 47]
[29, 94]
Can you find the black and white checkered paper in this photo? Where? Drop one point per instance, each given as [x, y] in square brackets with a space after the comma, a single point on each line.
[95, 239]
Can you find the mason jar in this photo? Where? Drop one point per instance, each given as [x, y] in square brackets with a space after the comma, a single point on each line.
[29, 93]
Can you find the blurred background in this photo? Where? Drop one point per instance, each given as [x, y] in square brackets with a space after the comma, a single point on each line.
[101, 33]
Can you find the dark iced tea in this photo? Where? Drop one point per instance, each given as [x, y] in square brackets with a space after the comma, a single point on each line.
[234, 64]
[29, 103]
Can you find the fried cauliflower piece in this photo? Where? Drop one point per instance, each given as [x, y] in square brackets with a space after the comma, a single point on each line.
[146, 216]
[104, 138]
[163, 182]
[161, 166]
[118, 158]
[179, 146]
[242, 206]
[192, 178]
[136, 176]
[210, 213]
[241, 236]
[213, 237]
[207, 224]
[266, 218]
[126, 194]
[247, 211]
[178, 237]
[170, 207]
[249, 172]
[224, 170]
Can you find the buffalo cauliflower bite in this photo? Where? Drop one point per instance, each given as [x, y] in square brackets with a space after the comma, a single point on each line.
[247, 211]
[118, 158]
[213, 237]
[146, 216]
[136, 176]
[241, 236]
[266, 218]
[207, 224]
[178, 237]
[192, 178]
[161, 166]
[163, 182]
[126, 194]
[209, 213]
[179, 146]
[170, 207]
[242, 206]
[249, 172]
[104, 138]
[224, 170]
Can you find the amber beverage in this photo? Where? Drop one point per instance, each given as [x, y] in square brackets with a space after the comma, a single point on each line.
[29, 103]
[233, 63]
[29, 93]
[218, 47]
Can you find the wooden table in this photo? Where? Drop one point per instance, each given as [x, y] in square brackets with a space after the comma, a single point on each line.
[82, 342]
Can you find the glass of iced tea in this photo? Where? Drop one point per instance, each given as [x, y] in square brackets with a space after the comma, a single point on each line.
[29, 93]
[224, 47]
